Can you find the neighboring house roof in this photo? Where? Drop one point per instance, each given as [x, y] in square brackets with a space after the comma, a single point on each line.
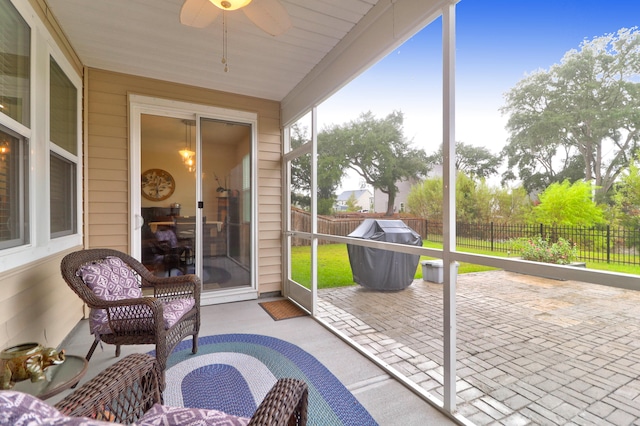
[380, 199]
[345, 195]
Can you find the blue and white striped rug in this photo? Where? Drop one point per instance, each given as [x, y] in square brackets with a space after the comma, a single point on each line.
[233, 373]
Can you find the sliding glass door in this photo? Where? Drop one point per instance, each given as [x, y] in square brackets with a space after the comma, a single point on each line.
[193, 204]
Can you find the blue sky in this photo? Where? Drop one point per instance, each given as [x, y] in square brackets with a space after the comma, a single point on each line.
[498, 43]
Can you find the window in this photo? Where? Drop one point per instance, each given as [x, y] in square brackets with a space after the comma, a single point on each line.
[14, 225]
[40, 150]
[15, 61]
[63, 196]
[63, 132]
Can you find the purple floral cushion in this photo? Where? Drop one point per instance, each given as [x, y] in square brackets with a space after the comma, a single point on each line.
[21, 409]
[161, 415]
[175, 309]
[110, 279]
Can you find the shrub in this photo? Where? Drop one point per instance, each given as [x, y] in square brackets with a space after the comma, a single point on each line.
[538, 249]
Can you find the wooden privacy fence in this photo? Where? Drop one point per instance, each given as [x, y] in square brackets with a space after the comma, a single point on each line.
[343, 225]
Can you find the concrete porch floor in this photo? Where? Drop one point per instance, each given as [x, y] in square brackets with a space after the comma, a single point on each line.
[530, 351]
[387, 400]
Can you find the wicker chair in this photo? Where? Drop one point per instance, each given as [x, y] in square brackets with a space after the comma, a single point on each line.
[126, 390]
[140, 320]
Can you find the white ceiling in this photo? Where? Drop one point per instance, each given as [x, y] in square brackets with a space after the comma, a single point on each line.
[145, 37]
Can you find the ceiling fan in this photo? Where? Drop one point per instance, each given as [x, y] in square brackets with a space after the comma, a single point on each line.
[268, 15]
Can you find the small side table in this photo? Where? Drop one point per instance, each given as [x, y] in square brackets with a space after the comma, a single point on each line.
[58, 378]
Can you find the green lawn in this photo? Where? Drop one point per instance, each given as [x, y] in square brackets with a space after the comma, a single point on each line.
[334, 269]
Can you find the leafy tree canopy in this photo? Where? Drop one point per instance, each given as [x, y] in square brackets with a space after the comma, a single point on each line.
[472, 160]
[580, 119]
[568, 204]
[425, 199]
[476, 201]
[331, 168]
[378, 151]
[511, 205]
[627, 197]
[352, 203]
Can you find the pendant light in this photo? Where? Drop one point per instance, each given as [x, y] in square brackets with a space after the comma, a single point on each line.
[188, 156]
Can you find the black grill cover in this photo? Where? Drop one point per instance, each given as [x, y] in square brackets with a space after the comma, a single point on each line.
[383, 269]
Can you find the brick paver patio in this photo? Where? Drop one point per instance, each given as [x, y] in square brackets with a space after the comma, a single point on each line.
[531, 351]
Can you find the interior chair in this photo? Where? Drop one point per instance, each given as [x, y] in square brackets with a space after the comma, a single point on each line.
[186, 233]
[160, 258]
[130, 391]
[130, 305]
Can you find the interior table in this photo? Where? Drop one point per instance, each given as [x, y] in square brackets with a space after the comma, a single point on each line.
[154, 225]
[58, 378]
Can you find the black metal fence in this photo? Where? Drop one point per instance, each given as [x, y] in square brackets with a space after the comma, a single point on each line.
[597, 244]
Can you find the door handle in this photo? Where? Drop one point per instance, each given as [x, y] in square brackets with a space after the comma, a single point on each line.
[138, 221]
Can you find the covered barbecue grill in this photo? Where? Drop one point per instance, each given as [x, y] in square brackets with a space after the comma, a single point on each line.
[383, 269]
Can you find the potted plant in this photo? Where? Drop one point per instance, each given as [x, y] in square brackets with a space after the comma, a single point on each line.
[222, 190]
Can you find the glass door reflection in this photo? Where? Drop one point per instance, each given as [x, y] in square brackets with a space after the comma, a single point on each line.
[168, 203]
[226, 210]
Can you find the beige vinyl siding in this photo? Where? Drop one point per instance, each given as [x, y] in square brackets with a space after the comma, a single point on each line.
[36, 305]
[270, 202]
[107, 162]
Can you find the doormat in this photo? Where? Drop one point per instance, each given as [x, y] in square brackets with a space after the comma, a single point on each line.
[283, 309]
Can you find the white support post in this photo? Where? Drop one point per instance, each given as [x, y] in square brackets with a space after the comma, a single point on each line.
[449, 182]
[314, 210]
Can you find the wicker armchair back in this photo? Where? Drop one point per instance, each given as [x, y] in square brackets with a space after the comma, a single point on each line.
[121, 394]
[125, 391]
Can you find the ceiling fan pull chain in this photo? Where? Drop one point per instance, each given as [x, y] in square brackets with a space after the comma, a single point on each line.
[224, 41]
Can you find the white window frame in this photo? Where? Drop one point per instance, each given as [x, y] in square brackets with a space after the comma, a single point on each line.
[63, 153]
[23, 168]
[41, 245]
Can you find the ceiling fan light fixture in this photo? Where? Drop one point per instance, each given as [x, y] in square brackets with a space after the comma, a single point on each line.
[230, 4]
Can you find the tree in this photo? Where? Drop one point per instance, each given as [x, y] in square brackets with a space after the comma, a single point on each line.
[627, 198]
[512, 205]
[300, 169]
[425, 199]
[564, 121]
[330, 171]
[475, 200]
[471, 160]
[568, 204]
[352, 203]
[378, 151]
[332, 165]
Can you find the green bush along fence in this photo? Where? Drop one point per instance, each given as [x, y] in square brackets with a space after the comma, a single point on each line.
[596, 244]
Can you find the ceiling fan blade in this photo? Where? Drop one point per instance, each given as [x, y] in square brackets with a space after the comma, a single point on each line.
[198, 13]
[269, 15]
